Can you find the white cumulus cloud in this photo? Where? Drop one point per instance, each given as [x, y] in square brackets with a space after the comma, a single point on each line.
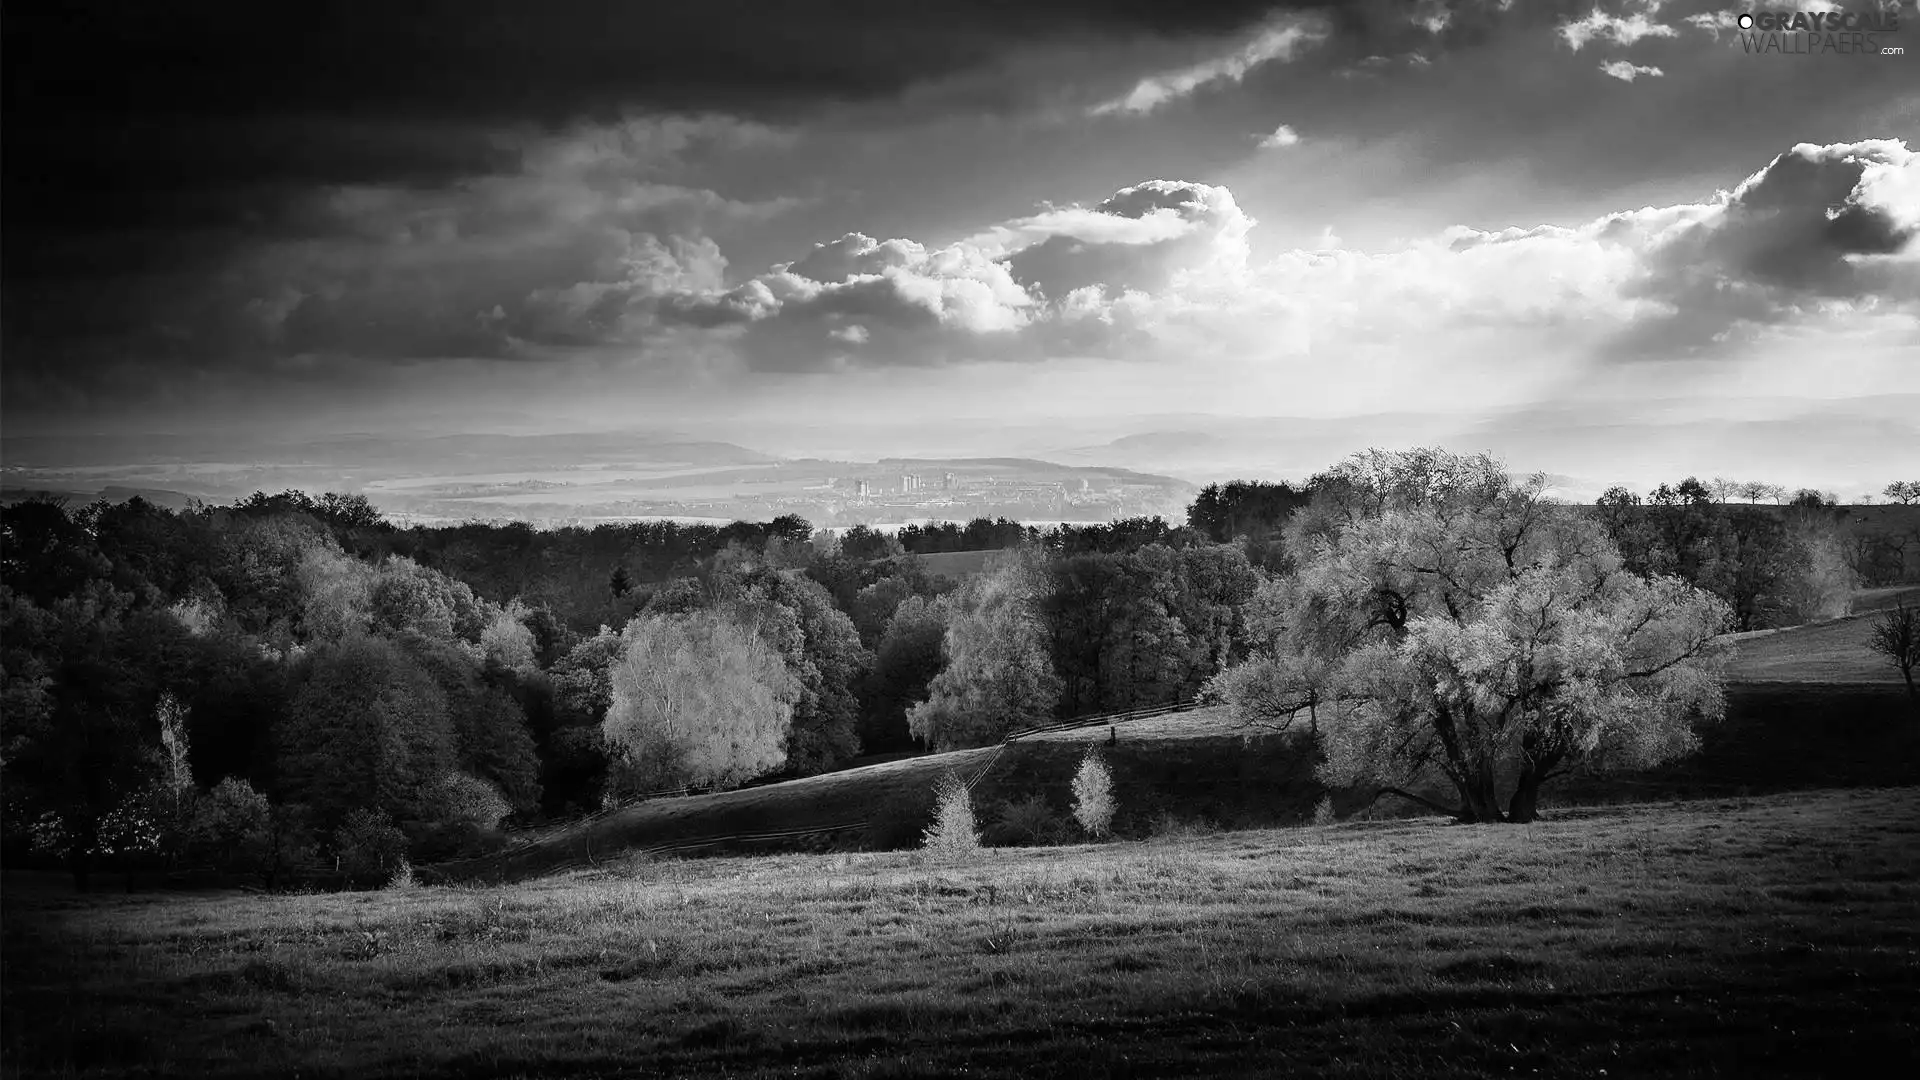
[1627, 72]
[1637, 19]
[1282, 136]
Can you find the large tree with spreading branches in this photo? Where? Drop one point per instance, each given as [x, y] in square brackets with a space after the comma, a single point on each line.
[1458, 639]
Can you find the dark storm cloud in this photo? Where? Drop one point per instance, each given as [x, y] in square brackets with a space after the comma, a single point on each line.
[153, 150]
[555, 59]
[182, 110]
[171, 97]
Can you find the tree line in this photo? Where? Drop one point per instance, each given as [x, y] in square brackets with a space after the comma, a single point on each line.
[291, 680]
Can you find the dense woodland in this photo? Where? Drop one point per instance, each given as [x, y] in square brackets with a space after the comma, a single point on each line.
[291, 681]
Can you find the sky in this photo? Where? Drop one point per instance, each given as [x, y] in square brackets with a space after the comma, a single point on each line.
[744, 220]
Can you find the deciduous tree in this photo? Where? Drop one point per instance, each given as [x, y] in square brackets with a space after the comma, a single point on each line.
[997, 675]
[821, 648]
[1896, 635]
[904, 665]
[1484, 640]
[368, 730]
[699, 699]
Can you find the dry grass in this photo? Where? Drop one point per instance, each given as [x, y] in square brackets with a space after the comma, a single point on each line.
[1726, 938]
[1829, 652]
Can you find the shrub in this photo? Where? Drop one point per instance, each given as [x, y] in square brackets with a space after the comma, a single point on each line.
[1093, 795]
[1028, 821]
[369, 847]
[134, 826]
[953, 832]
[470, 800]
[1323, 811]
[1170, 827]
[402, 878]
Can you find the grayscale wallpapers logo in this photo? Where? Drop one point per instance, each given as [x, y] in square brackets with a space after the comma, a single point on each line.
[1819, 33]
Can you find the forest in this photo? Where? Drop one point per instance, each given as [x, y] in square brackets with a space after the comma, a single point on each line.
[291, 682]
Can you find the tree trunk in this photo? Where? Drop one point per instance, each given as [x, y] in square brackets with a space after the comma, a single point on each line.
[80, 853]
[1479, 805]
[1535, 764]
[1457, 769]
[1482, 808]
[1526, 797]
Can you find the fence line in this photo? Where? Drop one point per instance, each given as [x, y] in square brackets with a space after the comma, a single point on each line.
[1104, 718]
[751, 838]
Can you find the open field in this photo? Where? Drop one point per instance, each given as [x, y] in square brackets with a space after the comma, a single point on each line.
[1829, 652]
[1882, 599]
[1823, 652]
[1776, 936]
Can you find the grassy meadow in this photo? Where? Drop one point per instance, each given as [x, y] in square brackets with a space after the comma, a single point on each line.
[1837, 651]
[1766, 936]
[1756, 929]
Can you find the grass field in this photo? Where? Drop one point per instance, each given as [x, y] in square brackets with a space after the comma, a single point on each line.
[1888, 596]
[1769, 934]
[1829, 652]
[1823, 652]
[1776, 936]
[957, 565]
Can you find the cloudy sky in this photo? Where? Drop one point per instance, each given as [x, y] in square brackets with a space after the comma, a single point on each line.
[558, 216]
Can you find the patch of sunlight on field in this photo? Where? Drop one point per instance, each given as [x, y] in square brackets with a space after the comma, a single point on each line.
[1834, 652]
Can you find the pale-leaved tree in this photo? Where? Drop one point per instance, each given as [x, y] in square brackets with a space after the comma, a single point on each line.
[1093, 804]
[699, 699]
[1458, 636]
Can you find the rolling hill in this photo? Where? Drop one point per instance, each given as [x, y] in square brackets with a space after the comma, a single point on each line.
[1828, 652]
[1808, 707]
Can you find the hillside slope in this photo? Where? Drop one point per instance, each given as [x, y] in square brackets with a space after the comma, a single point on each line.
[1810, 706]
[1192, 764]
[1826, 652]
[1779, 736]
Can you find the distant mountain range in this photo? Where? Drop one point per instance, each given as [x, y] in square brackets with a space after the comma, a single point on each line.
[1851, 446]
[418, 453]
